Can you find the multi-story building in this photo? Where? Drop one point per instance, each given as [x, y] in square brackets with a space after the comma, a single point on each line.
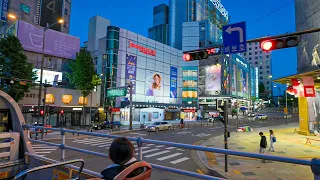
[307, 17]
[263, 61]
[39, 12]
[159, 30]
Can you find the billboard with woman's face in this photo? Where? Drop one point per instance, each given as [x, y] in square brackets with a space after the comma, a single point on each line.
[154, 83]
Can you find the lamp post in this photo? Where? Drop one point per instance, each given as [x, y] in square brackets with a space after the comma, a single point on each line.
[131, 115]
[42, 62]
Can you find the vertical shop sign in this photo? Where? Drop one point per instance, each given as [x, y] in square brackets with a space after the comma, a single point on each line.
[131, 71]
[4, 10]
[173, 82]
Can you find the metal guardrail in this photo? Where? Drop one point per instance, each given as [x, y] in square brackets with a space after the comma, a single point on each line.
[314, 163]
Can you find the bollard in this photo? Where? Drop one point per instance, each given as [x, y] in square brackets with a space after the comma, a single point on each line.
[188, 127]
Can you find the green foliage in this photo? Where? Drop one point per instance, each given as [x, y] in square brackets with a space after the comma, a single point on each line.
[262, 88]
[82, 72]
[96, 81]
[14, 65]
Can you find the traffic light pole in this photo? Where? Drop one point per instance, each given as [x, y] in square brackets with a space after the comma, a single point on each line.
[226, 133]
[44, 106]
[131, 115]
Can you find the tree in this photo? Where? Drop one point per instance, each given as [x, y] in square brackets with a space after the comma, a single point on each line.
[82, 74]
[16, 72]
[262, 88]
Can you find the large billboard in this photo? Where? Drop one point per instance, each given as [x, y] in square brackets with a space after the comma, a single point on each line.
[154, 83]
[131, 71]
[173, 82]
[51, 12]
[52, 77]
[213, 79]
[56, 43]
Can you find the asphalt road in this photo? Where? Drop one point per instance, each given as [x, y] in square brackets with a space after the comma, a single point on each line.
[157, 154]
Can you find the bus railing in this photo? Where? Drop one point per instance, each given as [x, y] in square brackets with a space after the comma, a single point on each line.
[314, 163]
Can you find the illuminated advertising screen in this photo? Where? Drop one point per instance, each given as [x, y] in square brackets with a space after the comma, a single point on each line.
[213, 79]
[173, 82]
[154, 83]
[51, 12]
[131, 71]
[52, 77]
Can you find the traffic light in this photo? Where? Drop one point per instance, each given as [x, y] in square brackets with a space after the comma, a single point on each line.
[280, 43]
[195, 55]
[61, 112]
[41, 112]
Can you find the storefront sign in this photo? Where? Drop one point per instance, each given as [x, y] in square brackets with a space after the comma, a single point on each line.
[219, 6]
[131, 71]
[142, 49]
[242, 63]
[66, 98]
[4, 10]
[49, 99]
[76, 109]
[117, 92]
[173, 82]
[189, 110]
[80, 101]
[115, 109]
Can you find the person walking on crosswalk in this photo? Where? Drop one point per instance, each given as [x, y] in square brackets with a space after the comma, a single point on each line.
[272, 141]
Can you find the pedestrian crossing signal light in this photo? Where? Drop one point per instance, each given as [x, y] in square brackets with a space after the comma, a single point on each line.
[273, 44]
[62, 112]
[41, 112]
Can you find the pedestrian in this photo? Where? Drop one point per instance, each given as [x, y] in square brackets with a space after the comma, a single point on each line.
[263, 144]
[272, 141]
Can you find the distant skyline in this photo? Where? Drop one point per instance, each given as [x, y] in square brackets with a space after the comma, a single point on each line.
[136, 16]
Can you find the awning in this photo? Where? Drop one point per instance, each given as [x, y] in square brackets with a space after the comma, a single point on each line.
[173, 110]
[287, 80]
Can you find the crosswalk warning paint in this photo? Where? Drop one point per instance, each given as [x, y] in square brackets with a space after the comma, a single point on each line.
[212, 161]
[60, 175]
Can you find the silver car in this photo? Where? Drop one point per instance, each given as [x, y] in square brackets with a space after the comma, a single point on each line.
[159, 126]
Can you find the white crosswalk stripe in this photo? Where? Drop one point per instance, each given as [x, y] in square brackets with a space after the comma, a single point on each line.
[43, 149]
[158, 152]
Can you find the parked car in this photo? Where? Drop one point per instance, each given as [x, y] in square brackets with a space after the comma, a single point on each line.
[158, 126]
[261, 116]
[251, 114]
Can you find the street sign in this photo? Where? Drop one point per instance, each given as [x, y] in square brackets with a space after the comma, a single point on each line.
[285, 110]
[117, 92]
[234, 38]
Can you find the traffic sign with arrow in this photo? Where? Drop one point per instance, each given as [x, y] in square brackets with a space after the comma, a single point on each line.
[234, 38]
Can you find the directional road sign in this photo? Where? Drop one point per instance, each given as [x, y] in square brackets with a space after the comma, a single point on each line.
[234, 38]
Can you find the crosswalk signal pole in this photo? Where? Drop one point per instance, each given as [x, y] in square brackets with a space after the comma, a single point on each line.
[226, 133]
[131, 115]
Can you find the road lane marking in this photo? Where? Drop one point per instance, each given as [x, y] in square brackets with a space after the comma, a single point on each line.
[151, 150]
[160, 146]
[170, 148]
[44, 150]
[168, 157]
[100, 143]
[105, 145]
[179, 160]
[180, 149]
[156, 154]
[199, 171]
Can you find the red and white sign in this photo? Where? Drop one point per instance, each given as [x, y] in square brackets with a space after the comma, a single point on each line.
[142, 49]
[115, 110]
[189, 110]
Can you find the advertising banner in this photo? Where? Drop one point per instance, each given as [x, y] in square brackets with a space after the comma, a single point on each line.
[56, 43]
[4, 10]
[173, 82]
[131, 71]
[51, 11]
[117, 92]
[154, 83]
[213, 79]
[51, 76]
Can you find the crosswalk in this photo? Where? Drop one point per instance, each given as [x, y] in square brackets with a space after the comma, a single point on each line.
[43, 149]
[161, 153]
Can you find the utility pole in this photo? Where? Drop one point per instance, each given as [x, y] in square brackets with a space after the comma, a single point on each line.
[131, 115]
[44, 106]
[286, 107]
[226, 133]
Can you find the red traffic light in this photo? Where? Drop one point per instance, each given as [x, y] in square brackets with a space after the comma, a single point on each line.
[41, 112]
[62, 111]
[266, 45]
[187, 57]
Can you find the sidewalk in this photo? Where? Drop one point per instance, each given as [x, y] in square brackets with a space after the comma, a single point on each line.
[289, 144]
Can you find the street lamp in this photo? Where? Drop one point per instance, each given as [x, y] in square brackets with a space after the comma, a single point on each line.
[60, 21]
[12, 16]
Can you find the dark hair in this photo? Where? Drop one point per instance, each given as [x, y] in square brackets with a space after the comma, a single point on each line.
[271, 132]
[121, 151]
[260, 133]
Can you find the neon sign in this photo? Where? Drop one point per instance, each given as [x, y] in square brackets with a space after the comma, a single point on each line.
[142, 49]
[219, 6]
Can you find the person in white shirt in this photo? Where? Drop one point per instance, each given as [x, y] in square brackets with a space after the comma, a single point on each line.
[272, 137]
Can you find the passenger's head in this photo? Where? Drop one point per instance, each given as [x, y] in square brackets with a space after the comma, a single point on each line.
[271, 131]
[121, 150]
[261, 133]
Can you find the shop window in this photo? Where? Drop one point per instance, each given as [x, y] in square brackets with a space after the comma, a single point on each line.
[155, 115]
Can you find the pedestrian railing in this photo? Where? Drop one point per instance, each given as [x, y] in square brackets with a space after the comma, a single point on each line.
[314, 163]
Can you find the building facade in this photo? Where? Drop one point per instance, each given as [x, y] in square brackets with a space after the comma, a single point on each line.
[159, 30]
[307, 17]
[263, 61]
[39, 12]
